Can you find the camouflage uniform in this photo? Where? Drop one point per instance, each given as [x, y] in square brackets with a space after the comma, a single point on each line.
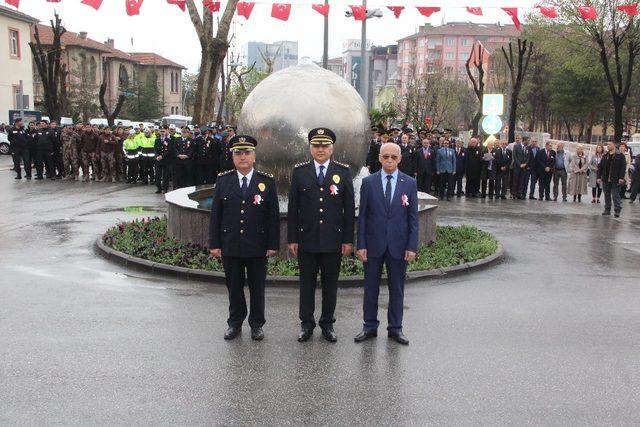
[89, 146]
[70, 140]
[108, 145]
[119, 157]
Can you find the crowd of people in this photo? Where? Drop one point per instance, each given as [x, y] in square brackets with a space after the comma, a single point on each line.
[163, 155]
[444, 167]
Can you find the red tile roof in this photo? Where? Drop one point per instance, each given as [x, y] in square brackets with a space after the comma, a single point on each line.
[12, 13]
[466, 29]
[150, 58]
[73, 39]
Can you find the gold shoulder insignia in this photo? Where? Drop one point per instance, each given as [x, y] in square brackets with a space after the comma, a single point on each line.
[264, 174]
[344, 165]
[226, 172]
[302, 164]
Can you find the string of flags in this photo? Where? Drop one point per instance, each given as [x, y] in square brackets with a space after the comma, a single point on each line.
[282, 11]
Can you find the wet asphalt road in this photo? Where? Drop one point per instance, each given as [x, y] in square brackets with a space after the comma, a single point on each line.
[551, 336]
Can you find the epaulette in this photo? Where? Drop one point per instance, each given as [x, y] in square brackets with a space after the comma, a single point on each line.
[264, 174]
[344, 165]
[308, 162]
[226, 172]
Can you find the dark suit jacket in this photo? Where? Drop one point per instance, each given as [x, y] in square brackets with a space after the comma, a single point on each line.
[394, 228]
[425, 166]
[321, 217]
[542, 161]
[612, 167]
[244, 226]
[461, 161]
[503, 159]
[520, 155]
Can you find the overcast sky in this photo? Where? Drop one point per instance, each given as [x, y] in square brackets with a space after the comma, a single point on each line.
[166, 30]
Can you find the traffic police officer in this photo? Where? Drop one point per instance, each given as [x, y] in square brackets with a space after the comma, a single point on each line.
[321, 220]
[132, 156]
[244, 230]
[19, 145]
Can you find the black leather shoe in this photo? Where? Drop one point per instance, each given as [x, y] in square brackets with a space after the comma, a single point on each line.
[616, 214]
[330, 335]
[305, 334]
[231, 333]
[606, 213]
[158, 191]
[399, 338]
[18, 177]
[365, 335]
[257, 334]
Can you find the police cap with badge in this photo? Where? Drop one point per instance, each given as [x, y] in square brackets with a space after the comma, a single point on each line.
[322, 136]
[242, 143]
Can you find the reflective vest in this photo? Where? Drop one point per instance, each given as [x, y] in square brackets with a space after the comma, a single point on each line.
[131, 146]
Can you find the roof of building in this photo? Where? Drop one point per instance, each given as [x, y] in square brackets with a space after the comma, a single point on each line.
[12, 13]
[70, 38]
[150, 58]
[465, 29]
[335, 61]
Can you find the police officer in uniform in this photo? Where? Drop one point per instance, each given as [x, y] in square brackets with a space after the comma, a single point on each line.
[321, 218]
[207, 157]
[244, 230]
[43, 143]
[164, 158]
[184, 149]
[19, 145]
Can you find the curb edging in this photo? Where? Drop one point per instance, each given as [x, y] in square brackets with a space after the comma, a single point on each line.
[184, 273]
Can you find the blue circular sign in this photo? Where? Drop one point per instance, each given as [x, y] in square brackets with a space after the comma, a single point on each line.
[491, 124]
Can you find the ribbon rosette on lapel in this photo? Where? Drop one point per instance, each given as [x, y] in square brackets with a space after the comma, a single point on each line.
[405, 200]
[334, 190]
[257, 199]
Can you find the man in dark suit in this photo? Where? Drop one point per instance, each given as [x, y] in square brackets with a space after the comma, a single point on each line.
[503, 162]
[545, 160]
[519, 166]
[321, 221]
[183, 153]
[164, 152]
[387, 235]
[474, 168]
[408, 152]
[425, 165]
[461, 166]
[534, 169]
[244, 230]
[372, 163]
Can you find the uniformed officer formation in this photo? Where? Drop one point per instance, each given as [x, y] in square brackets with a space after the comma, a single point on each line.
[244, 232]
[164, 156]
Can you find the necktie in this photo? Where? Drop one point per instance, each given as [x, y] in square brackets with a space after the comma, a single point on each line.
[244, 186]
[321, 175]
[426, 154]
[580, 163]
[387, 191]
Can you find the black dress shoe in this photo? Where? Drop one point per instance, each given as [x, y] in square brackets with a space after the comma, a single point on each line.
[231, 333]
[616, 214]
[365, 335]
[606, 213]
[257, 334]
[305, 334]
[158, 191]
[39, 177]
[18, 177]
[532, 198]
[329, 335]
[399, 338]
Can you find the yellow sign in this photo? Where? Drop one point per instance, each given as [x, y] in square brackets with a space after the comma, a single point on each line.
[336, 179]
[261, 186]
[490, 138]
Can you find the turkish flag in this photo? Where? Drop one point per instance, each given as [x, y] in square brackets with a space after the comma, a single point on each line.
[513, 13]
[427, 11]
[475, 10]
[588, 12]
[281, 11]
[245, 8]
[549, 12]
[213, 6]
[14, 3]
[93, 3]
[133, 7]
[322, 9]
[359, 12]
[629, 9]
[397, 10]
[180, 3]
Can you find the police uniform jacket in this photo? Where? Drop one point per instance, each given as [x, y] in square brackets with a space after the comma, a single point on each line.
[18, 139]
[321, 217]
[247, 226]
[207, 151]
[164, 147]
[43, 140]
[183, 146]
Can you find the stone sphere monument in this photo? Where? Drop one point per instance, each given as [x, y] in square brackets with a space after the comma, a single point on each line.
[285, 106]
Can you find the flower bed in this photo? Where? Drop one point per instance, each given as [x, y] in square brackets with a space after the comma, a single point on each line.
[147, 239]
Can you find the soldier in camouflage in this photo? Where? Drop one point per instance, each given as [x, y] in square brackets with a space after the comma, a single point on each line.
[70, 140]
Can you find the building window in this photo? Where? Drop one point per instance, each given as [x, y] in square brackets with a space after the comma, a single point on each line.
[449, 41]
[464, 56]
[431, 43]
[464, 42]
[14, 43]
[448, 56]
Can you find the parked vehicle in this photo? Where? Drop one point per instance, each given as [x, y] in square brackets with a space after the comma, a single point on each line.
[4, 143]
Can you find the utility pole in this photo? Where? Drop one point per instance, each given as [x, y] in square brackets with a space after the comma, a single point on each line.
[325, 52]
[363, 63]
[20, 100]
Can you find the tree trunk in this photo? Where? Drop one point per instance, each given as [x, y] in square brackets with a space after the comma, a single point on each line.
[618, 119]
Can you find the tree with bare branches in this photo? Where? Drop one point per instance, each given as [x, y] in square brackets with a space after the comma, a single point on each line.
[616, 38]
[52, 71]
[476, 60]
[518, 65]
[214, 50]
[110, 115]
[269, 59]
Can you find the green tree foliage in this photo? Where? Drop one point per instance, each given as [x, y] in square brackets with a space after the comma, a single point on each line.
[145, 102]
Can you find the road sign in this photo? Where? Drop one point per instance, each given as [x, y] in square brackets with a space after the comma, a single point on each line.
[491, 124]
[492, 104]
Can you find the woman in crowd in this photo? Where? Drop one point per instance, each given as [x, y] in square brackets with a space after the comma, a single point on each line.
[594, 164]
[578, 167]
[488, 171]
[627, 157]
